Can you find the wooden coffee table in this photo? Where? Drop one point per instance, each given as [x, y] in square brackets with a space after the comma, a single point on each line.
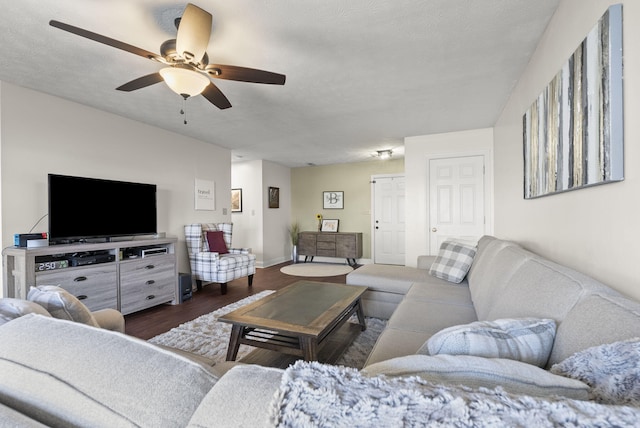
[296, 320]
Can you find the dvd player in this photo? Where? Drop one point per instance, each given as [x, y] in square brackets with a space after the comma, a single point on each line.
[90, 258]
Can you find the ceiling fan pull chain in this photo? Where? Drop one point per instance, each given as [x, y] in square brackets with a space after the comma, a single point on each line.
[183, 110]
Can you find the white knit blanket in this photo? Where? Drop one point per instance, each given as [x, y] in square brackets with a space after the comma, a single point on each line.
[318, 395]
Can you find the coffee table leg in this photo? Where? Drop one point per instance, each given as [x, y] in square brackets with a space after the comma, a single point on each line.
[234, 342]
[309, 348]
[360, 313]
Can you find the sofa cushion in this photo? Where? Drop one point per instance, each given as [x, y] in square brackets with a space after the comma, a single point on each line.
[528, 340]
[240, 399]
[11, 308]
[387, 278]
[475, 372]
[61, 304]
[612, 371]
[453, 261]
[594, 320]
[69, 374]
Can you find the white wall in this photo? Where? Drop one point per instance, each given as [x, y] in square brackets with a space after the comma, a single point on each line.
[41, 134]
[247, 225]
[263, 229]
[593, 230]
[277, 244]
[418, 151]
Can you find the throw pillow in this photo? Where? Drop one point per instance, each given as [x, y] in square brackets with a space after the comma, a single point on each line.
[477, 372]
[11, 308]
[526, 339]
[215, 239]
[612, 371]
[61, 304]
[453, 261]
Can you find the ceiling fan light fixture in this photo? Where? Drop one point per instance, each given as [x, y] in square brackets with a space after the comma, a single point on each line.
[384, 154]
[183, 81]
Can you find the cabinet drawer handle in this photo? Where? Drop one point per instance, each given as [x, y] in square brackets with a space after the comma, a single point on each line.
[149, 266]
[80, 279]
[82, 297]
[150, 282]
[151, 297]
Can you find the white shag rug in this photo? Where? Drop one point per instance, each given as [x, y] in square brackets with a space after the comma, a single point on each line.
[320, 395]
[209, 337]
[316, 269]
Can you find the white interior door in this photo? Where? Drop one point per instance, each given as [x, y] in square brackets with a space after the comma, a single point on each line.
[456, 200]
[388, 219]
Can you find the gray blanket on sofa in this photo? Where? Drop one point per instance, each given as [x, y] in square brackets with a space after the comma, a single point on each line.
[314, 394]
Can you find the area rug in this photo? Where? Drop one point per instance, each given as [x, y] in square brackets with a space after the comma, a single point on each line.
[209, 337]
[316, 269]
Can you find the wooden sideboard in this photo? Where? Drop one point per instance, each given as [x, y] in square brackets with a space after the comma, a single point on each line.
[330, 244]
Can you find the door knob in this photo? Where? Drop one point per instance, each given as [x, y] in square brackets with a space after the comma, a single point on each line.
[434, 229]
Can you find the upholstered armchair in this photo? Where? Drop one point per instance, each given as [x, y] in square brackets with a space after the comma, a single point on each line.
[209, 265]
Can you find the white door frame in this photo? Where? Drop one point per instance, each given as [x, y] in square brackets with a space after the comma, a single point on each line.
[373, 208]
[488, 186]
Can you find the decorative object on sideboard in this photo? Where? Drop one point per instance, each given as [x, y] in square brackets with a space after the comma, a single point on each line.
[236, 200]
[319, 218]
[333, 200]
[330, 225]
[573, 132]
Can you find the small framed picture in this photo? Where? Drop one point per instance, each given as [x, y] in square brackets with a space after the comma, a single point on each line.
[236, 200]
[274, 197]
[333, 200]
[329, 225]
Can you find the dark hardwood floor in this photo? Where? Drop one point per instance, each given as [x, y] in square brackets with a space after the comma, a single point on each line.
[151, 322]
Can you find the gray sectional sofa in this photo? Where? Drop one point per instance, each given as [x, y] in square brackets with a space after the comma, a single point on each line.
[60, 373]
[505, 281]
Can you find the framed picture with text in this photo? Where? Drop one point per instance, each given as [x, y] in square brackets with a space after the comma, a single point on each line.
[333, 200]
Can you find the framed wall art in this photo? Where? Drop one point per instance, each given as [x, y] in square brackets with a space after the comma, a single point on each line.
[573, 131]
[329, 225]
[274, 197]
[333, 200]
[236, 200]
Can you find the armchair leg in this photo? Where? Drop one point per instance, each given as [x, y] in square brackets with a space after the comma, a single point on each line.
[199, 284]
[223, 287]
[250, 280]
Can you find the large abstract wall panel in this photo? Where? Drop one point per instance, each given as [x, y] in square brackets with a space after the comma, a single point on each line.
[573, 132]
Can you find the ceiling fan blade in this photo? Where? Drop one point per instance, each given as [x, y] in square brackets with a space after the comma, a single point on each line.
[243, 74]
[193, 33]
[216, 97]
[106, 40]
[141, 82]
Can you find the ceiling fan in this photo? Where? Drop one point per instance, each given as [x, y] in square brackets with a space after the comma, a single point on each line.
[187, 70]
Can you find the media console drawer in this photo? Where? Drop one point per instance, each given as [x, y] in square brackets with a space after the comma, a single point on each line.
[93, 285]
[146, 282]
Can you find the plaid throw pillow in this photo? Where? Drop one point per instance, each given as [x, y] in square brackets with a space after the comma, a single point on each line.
[453, 261]
[61, 304]
[523, 339]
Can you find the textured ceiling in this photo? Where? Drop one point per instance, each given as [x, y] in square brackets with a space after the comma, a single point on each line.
[361, 74]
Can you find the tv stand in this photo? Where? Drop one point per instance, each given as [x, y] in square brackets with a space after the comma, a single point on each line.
[118, 274]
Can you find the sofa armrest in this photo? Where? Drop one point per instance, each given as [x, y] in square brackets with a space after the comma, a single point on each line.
[109, 319]
[425, 262]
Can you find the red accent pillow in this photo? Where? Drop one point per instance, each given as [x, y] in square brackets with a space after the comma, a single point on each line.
[216, 242]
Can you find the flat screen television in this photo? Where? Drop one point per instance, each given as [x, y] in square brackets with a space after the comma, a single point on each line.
[82, 208]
